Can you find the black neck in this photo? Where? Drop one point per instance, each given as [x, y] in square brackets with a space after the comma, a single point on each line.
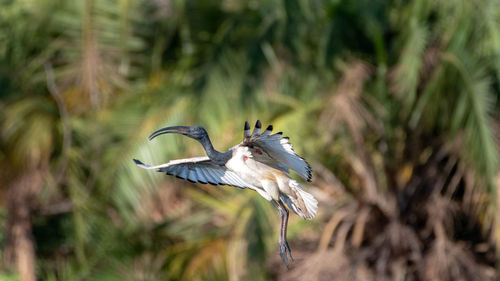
[217, 157]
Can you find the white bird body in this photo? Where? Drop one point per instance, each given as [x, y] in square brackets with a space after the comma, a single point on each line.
[270, 181]
[260, 162]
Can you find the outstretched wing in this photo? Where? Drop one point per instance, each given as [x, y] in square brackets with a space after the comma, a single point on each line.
[199, 169]
[277, 147]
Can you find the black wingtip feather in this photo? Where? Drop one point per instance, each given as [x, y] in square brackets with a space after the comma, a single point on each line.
[309, 171]
[258, 124]
[137, 162]
[247, 126]
[269, 128]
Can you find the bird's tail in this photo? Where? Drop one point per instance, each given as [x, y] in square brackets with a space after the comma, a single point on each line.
[303, 203]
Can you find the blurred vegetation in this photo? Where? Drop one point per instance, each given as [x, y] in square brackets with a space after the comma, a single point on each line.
[394, 104]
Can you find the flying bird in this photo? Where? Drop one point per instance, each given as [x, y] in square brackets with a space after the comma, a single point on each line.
[261, 162]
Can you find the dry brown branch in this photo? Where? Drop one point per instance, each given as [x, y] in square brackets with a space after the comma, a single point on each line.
[330, 227]
[359, 227]
[57, 208]
[65, 120]
[341, 237]
[345, 107]
[324, 177]
[20, 247]
[328, 265]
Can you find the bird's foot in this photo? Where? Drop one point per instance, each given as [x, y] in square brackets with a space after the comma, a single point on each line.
[285, 251]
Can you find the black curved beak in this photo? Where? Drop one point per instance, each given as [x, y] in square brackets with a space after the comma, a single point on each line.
[183, 130]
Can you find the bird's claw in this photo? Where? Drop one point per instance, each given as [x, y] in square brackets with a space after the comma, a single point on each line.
[285, 251]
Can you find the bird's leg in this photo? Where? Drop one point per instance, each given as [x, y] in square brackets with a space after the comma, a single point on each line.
[283, 243]
[283, 247]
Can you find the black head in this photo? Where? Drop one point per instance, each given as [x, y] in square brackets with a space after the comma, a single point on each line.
[195, 132]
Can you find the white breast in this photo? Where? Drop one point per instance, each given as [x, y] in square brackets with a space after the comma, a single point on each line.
[237, 164]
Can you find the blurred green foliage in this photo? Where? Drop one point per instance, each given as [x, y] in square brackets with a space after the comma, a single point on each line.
[369, 91]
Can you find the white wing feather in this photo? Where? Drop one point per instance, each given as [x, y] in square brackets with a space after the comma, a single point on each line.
[199, 169]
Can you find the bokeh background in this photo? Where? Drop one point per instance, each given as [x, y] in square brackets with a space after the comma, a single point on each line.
[393, 103]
